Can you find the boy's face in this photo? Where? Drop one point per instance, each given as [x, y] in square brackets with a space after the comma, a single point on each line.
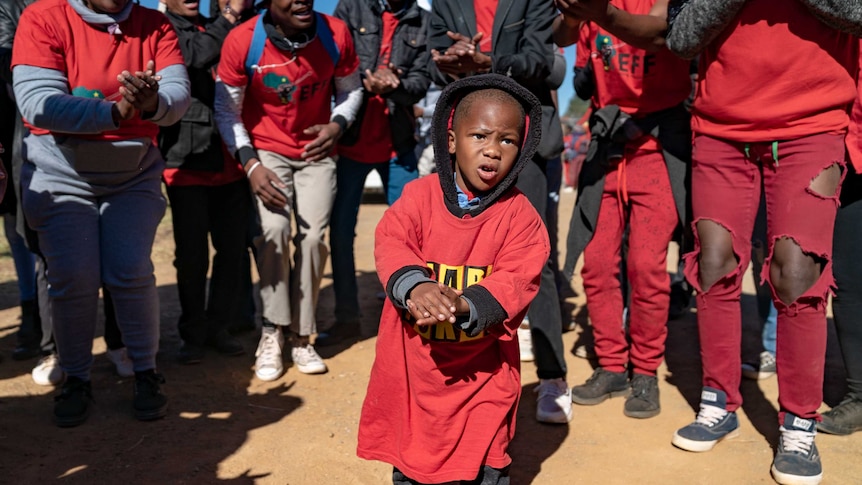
[485, 141]
[293, 16]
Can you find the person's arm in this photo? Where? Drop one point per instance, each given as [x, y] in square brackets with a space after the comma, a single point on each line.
[693, 24]
[174, 95]
[642, 31]
[201, 50]
[535, 57]
[843, 15]
[566, 28]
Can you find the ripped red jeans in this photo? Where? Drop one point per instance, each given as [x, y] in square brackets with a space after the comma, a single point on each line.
[726, 186]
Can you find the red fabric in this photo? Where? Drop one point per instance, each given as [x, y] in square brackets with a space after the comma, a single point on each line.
[726, 189]
[639, 82]
[52, 35]
[439, 410]
[231, 172]
[288, 96]
[775, 74]
[485, 11]
[651, 219]
[854, 133]
[375, 134]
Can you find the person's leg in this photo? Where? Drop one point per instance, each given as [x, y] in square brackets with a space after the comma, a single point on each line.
[764, 366]
[652, 220]
[315, 193]
[228, 214]
[30, 333]
[725, 194]
[190, 216]
[846, 417]
[350, 181]
[402, 169]
[554, 173]
[116, 352]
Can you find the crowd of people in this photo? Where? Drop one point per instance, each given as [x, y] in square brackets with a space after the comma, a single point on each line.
[264, 121]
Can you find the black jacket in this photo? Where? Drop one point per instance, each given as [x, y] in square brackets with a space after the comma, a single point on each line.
[409, 54]
[522, 49]
[194, 142]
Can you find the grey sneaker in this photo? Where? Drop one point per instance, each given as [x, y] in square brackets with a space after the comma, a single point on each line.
[268, 365]
[600, 386]
[843, 419]
[713, 424]
[554, 403]
[763, 370]
[306, 359]
[797, 461]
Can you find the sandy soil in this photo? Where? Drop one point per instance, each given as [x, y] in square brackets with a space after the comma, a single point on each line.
[224, 425]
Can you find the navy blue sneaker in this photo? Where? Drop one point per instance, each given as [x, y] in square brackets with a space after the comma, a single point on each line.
[797, 461]
[713, 424]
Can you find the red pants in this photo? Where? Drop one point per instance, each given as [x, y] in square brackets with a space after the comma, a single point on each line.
[651, 217]
[726, 185]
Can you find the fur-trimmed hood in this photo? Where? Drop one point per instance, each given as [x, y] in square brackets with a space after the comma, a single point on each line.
[443, 114]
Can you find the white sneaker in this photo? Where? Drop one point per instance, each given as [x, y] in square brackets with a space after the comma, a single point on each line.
[268, 365]
[48, 372]
[122, 362]
[525, 341]
[306, 359]
[554, 404]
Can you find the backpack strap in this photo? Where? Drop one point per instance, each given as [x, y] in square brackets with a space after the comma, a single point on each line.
[255, 49]
[327, 39]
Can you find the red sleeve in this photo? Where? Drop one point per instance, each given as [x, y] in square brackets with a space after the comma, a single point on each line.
[582, 50]
[231, 67]
[36, 42]
[348, 62]
[397, 237]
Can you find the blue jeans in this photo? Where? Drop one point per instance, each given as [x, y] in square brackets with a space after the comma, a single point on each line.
[350, 176]
[25, 261]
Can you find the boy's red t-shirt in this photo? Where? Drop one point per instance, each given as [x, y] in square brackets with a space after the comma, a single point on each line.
[52, 35]
[289, 94]
[775, 74]
[374, 144]
[639, 82]
[485, 11]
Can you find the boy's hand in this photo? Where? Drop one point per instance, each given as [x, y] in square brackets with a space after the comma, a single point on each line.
[320, 147]
[265, 184]
[431, 303]
[122, 110]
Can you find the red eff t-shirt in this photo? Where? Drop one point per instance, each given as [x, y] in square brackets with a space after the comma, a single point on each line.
[52, 35]
[289, 94]
[775, 74]
[485, 10]
[375, 134]
[639, 82]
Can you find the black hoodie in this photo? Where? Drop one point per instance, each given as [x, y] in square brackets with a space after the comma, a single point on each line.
[443, 113]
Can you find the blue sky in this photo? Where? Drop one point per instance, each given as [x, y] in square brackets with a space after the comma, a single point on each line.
[327, 6]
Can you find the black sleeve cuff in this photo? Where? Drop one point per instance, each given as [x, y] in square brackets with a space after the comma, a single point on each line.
[341, 121]
[244, 154]
[390, 285]
[488, 309]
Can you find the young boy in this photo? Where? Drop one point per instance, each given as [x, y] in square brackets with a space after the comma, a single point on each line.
[460, 253]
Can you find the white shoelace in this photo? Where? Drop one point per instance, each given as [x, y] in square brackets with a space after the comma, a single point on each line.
[796, 440]
[710, 415]
[269, 350]
[307, 354]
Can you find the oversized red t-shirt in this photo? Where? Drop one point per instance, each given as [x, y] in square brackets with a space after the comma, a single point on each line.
[485, 11]
[639, 82]
[440, 404]
[287, 94]
[775, 74]
[374, 143]
[52, 35]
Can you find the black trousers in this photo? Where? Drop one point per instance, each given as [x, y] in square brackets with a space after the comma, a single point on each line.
[847, 304]
[221, 213]
[487, 476]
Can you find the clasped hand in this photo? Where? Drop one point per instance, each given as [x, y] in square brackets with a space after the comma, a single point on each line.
[431, 303]
[140, 92]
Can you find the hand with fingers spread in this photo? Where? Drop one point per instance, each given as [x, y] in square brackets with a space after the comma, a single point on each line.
[321, 147]
[462, 57]
[431, 303]
[381, 81]
[141, 89]
[266, 185]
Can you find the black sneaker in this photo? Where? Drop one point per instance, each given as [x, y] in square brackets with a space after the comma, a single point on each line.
[149, 402]
[797, 460]
[190, 354]
[72, 406]
[843, 419]
[226, 344]
[643, 401]
[600, 386]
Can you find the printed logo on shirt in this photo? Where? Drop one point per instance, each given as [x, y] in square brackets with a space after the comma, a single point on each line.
[281, 85]
[458, 277]
[629, 62]
[82, 92]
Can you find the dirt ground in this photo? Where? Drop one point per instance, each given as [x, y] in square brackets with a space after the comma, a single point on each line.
[224, 425]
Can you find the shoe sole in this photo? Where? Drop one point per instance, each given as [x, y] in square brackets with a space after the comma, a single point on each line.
[642, 414]
[554, 419]
[151, 415]
[305, 369]
[837, 430]
[700, 446]
[71, 422]
[786, 479]
[269, 378]
[598, 400]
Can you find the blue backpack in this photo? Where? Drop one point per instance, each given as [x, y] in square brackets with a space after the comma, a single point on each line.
[258, 40]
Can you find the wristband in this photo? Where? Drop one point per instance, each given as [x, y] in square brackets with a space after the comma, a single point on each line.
[252, 169]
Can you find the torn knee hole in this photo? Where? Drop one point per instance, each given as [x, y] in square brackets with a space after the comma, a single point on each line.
[825, 184]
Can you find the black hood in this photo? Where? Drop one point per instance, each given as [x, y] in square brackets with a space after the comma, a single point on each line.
[443, 114]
